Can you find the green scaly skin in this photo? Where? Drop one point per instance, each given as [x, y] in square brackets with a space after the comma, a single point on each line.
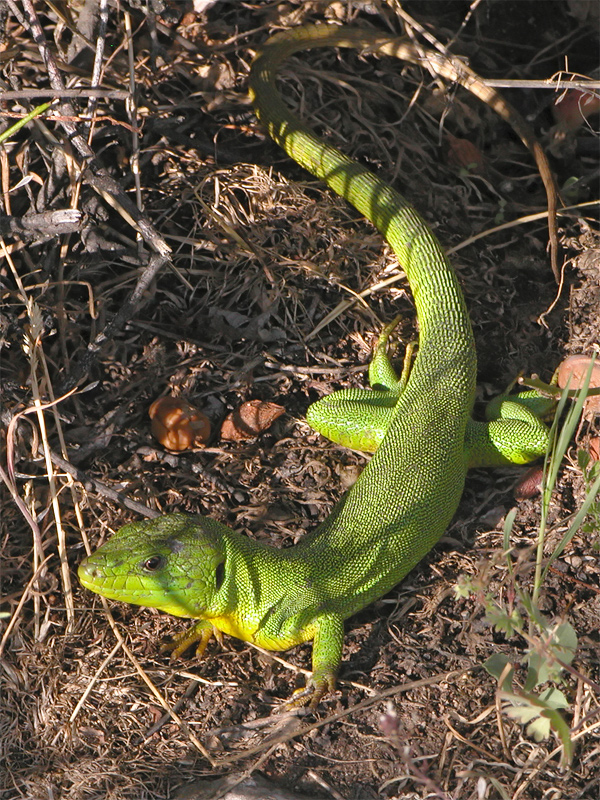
[419, 425]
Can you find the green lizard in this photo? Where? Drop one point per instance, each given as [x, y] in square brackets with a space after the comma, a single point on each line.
[419, 426]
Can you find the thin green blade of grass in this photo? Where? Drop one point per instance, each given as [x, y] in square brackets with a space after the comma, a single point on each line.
[508, 526]
[560, 438]
[591, 496]
[23, 121]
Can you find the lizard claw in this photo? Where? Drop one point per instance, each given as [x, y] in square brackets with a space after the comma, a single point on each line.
[201, 632]
[311, 694]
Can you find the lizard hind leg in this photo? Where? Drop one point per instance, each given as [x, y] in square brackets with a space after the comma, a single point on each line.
[382, 374]
[513, 434]
[359, 418]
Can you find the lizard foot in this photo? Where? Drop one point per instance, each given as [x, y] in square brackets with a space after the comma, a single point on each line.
[311, 694]
[201, 632]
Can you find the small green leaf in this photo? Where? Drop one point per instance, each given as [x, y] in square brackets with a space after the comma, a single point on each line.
[504, 622]
[523, 713]
[542, 716]
[542, 668]
[539, 729]
[543, 665]
[566, 637]
[583, 459]
[495, 666]
[533, 676]
[554, 698]
[464, 586]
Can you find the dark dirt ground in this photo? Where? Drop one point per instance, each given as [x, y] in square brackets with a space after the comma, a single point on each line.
[262, 254]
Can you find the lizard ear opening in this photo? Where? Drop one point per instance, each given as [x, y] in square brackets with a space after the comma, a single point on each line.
[219, 575]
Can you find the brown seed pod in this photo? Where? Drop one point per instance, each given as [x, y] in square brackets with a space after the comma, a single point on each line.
[249, 420]
[177, 424]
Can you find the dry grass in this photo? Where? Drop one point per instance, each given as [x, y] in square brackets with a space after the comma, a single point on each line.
[261, 255]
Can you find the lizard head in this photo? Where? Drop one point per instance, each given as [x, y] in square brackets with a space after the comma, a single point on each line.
[175, 563]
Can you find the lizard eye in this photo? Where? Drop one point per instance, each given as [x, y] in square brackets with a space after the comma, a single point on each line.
[153, 563]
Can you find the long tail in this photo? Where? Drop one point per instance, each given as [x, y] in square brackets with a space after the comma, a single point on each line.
[273, 113]
[438, 297]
